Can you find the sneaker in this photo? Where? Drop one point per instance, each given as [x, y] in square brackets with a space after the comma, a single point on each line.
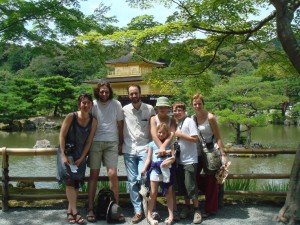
[185, 212]
[137, 218]
[155, 215]
[176, 216]
[197, 217]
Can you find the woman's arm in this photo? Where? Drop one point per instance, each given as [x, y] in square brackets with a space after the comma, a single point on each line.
[160, 145]
[171, 159]
[153, 131]
[172, 133]
[63, 134]
[215, 128]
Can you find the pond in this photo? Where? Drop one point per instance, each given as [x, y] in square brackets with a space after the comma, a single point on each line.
[272, 136]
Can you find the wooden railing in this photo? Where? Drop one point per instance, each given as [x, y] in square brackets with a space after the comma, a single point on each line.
[6, 152]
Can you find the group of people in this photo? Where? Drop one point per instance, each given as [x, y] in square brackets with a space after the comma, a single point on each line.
[156, 147]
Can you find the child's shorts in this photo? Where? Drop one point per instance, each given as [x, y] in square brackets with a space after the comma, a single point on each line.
[154, 176]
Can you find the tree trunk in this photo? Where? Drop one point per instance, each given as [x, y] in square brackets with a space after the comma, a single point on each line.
[55, 114]
[286, 36]
[248, 136]
[238, 133]
[290, 212]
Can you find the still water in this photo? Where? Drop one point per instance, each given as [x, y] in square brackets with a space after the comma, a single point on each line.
[272, 136]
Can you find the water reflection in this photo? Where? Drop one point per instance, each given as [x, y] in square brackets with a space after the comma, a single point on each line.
[27, 139]
[272, 136]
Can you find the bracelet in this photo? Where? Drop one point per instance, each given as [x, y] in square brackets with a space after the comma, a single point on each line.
[223, 153]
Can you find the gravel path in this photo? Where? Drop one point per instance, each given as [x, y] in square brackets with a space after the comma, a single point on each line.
[230, 215]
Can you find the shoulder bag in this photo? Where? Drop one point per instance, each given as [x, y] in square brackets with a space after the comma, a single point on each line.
[210, 154]
[64, 170]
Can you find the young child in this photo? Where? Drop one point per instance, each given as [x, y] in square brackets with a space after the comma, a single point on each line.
[186, 134]
[159, 171]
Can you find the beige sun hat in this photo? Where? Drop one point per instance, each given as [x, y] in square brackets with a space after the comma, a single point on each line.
[162, 101]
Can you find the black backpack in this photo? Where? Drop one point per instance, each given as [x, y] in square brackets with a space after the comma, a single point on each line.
[104, 197]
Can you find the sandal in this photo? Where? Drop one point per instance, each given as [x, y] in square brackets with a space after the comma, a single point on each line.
[91, 218]
[80, 220]
[168, 221]
[70, 218]
[153, 222]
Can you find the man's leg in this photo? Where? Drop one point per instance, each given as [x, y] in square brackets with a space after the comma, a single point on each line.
[113, 182]
[92, 187]
[131, 165]
[110, 157]
[94, 162]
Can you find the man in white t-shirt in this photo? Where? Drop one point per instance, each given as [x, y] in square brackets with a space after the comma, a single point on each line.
[136, 138]
[187, 137]
[107, 142]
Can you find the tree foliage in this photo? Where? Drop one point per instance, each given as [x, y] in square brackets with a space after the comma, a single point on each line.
[56, 95]
[225, 23]
[45, 22]
[16, 99]
[242, 101]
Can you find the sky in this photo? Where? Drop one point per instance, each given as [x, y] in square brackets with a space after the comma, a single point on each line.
[124, 13]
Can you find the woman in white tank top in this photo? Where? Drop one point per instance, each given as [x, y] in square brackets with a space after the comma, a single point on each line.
[162, 108]
[207, 124]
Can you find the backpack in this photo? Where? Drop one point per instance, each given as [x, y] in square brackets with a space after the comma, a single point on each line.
[102, 201]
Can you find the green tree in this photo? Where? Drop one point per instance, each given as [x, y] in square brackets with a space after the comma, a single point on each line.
[56, 95]
[16, 99]
[221, 21]
[27, 89]
[47, 22]
[79, 62]
[242, 101]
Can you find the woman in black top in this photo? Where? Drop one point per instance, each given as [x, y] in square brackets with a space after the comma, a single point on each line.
[77, 129]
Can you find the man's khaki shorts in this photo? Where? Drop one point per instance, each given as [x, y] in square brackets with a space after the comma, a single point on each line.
[105, 152]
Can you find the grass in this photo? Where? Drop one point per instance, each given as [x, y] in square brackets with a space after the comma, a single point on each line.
[273, 187]
[251, 185]
[240, 185]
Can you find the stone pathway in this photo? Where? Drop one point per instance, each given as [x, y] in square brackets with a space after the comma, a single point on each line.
[238, 214]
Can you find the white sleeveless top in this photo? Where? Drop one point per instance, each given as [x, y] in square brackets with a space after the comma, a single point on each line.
[206, 131]
[158, 122]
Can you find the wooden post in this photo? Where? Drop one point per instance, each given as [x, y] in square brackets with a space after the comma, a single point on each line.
[5, 180]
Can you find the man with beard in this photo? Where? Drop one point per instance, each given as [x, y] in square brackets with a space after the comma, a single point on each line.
[107, 143]
[136, 137]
